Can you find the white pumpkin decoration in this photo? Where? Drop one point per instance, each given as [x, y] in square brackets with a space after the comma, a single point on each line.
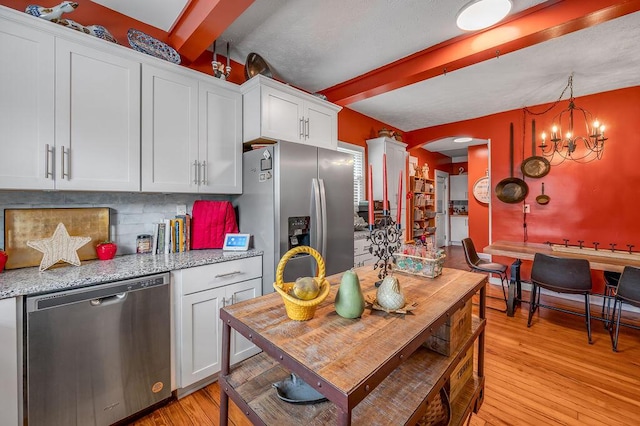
[389, 294]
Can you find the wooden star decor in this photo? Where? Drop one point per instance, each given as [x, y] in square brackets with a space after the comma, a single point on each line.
[60, 247]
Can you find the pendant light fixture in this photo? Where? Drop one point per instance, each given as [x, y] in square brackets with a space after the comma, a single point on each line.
[479, 14]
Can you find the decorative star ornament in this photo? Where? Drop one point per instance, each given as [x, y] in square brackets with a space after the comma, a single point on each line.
[60, 247]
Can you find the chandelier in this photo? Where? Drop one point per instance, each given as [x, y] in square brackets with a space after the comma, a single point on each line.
[567, 144]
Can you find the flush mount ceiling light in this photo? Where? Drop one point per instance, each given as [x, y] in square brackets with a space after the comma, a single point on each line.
[463, 139]
[479, 14]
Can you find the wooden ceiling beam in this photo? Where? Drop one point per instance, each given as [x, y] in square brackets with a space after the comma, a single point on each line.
[536, 25]
[203, 22]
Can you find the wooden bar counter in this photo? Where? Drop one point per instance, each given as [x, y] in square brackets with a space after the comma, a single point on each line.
[373, 370]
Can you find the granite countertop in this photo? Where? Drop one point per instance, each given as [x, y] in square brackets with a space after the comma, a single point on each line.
[29, 281]
[360, 235]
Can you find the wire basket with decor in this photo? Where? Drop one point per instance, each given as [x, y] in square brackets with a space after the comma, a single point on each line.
[298, 309]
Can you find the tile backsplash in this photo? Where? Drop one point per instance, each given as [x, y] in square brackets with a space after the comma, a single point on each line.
[131, 213]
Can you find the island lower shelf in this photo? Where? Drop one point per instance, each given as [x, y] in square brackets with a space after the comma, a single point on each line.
[401, 398]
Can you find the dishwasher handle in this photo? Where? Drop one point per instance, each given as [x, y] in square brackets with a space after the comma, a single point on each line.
[111, 300]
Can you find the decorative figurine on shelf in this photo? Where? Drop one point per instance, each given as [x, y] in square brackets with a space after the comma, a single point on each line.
[51, 13]
[219, 71]
[95, 30]
[425, 171]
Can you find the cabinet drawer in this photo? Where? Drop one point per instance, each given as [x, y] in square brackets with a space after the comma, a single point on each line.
[207, 277]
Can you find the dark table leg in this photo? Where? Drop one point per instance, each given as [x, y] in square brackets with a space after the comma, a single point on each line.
[515, 288]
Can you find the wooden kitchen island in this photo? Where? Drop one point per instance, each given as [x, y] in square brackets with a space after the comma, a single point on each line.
[373, 370]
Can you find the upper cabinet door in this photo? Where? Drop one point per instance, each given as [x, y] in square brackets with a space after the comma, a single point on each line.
[282, 115]
[321, 125]
[97, 120]
[169, 131]
[220, 135]
[26, 107]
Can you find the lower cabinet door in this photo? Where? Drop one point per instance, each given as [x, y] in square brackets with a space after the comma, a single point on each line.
[241, 348]
[201, 351]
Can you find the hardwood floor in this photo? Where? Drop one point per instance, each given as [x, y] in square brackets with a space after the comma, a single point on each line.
[544, 375]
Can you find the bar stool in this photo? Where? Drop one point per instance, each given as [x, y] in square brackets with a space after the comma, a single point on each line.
[562, 275]
[628, 291]
[610, 283]
[478, 265]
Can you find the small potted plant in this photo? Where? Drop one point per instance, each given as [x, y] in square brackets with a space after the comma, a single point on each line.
[3, 259]
[106, 250]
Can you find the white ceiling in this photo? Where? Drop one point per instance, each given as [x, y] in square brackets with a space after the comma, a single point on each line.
[317, 44]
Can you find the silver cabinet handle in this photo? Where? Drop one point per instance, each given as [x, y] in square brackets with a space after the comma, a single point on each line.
[307, 127]
[228, 274]
[65, 173]
[203, 181]
[49, 151]
[301, 127]
[196, 172]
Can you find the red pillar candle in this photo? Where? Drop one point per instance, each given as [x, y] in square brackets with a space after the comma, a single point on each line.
[370, 195]
[398, 221]
[385, 199]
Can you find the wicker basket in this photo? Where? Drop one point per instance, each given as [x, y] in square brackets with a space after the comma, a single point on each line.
[438, 411]
[297, 309]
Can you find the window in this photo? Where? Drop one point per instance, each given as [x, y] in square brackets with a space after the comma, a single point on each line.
[358, 169]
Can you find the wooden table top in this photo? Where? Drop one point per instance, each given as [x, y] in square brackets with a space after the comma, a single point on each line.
[526, 251]
[346, 352]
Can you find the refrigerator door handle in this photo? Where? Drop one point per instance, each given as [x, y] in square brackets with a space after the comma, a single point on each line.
[317, 208]
[323, 209]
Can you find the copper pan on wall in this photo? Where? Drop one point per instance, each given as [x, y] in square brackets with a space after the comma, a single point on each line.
[512, 189]
[535, 166]
[254, 65]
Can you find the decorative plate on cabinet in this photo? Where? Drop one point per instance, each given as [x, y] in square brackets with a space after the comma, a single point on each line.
[146, 44]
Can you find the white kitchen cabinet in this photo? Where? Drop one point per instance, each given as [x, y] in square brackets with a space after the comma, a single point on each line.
[220, 139]
[459, 228]
[200, 293]
[458, 187]
[70, 115]
[191, 133]
[275, 111]
[9, 371]
[361, 255]
[27, 88]
[97, 120]
[169, 131]
[396, 153]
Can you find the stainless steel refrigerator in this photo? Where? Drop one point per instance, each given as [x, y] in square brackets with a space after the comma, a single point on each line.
[293, 195]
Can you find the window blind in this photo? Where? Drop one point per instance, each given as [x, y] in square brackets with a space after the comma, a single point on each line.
[358, 170]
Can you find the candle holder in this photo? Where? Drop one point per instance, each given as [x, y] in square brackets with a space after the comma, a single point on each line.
[385, 242]
[219, 70]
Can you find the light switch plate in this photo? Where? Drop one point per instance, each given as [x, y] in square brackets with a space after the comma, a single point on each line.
[181, 209]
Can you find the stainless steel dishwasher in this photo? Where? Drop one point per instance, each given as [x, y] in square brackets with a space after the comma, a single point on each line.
[99, 354]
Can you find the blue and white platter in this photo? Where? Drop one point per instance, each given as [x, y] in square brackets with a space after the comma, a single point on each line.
[146, 44]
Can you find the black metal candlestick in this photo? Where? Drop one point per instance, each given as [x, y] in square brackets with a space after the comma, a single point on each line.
[385, 242]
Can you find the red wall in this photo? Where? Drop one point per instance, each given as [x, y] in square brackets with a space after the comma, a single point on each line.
[591, 202]
[478, 163]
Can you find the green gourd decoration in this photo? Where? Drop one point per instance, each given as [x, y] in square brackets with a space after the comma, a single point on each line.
[350, 300]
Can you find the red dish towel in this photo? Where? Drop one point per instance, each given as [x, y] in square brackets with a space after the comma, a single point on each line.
[210, 221]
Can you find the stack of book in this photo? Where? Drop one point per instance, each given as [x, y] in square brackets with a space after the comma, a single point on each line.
[172, 235]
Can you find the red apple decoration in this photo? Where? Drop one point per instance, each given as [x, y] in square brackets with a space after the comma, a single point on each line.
[106, 250]
[3, 259]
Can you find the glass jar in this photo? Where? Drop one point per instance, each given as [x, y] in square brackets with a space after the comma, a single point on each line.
[144, 243]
